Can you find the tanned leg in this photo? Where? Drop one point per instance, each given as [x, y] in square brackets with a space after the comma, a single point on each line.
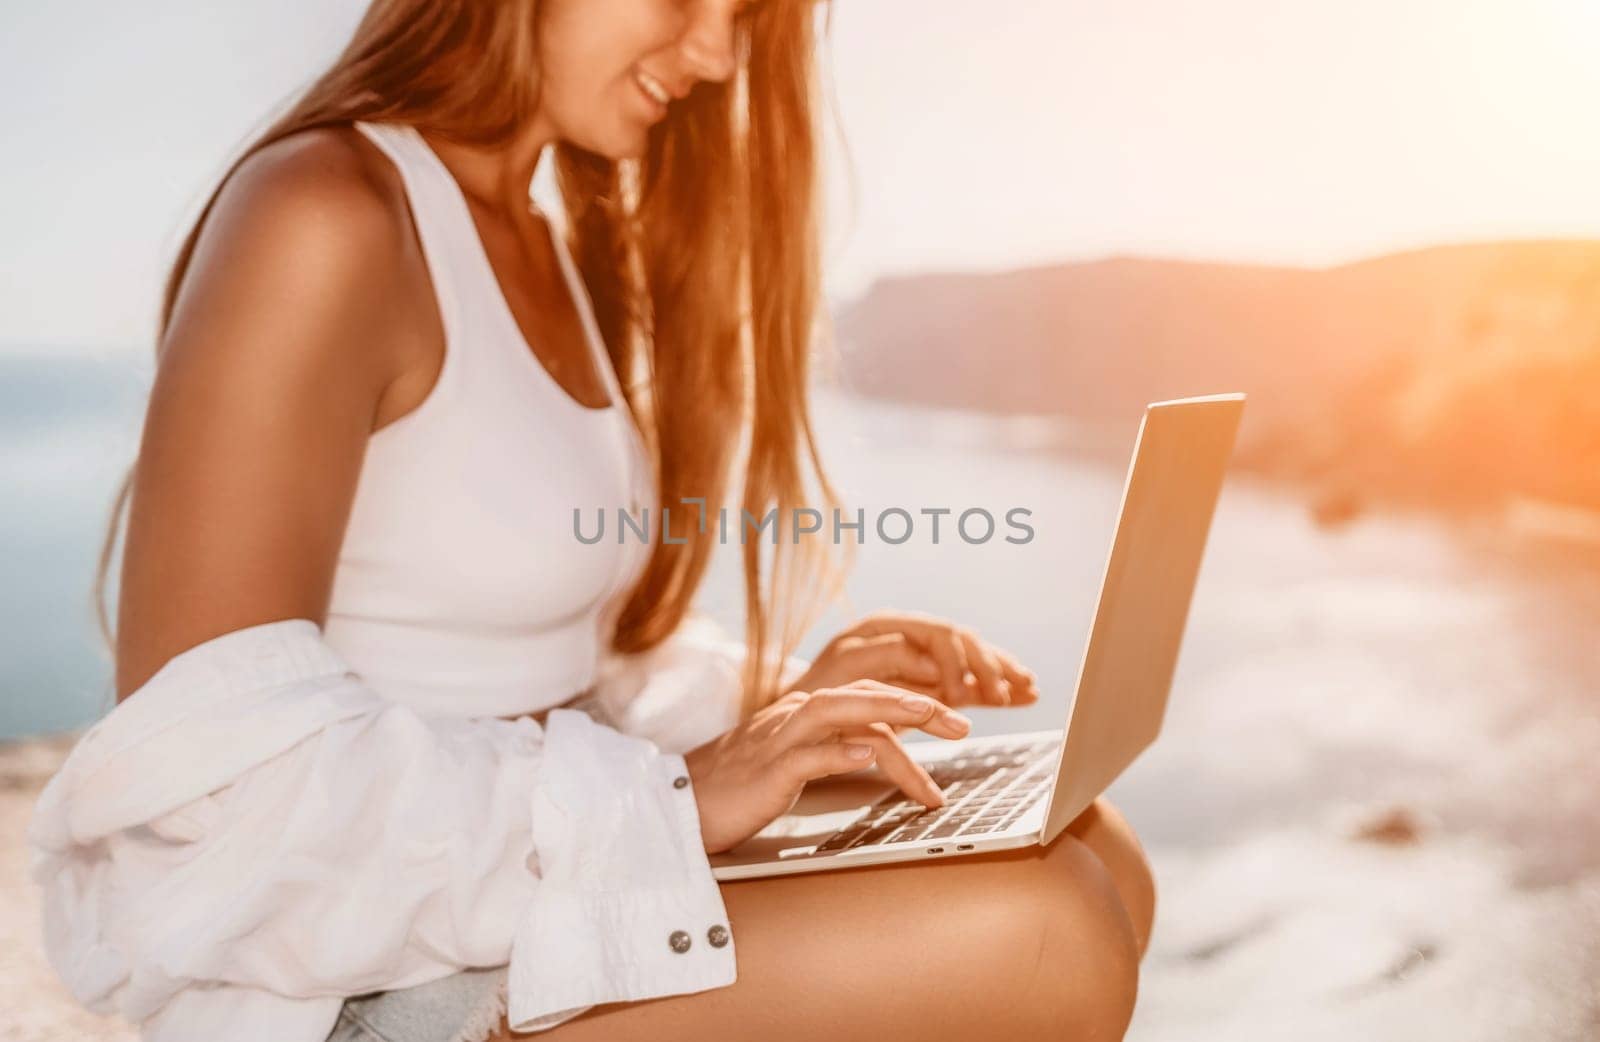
[1104, 830]
[1027, 944]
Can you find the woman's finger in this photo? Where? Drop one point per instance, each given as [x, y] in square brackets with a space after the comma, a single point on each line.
[899, 766]
[924, 630]
[888, 657]
[934, 691]
[937, 638]
[826, 712]
[1024, 685]
[959, 686]
[985, 665]
[965, 690]
[806, 763]
[892, 658]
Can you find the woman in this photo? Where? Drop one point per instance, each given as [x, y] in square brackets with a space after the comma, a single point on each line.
[351, 591]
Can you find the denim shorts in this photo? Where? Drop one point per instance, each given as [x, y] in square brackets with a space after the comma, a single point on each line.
[463, 1007]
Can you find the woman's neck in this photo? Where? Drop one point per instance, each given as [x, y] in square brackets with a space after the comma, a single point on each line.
[498, 174]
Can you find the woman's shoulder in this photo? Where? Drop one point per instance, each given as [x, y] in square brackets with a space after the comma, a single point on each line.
[323, 186]
[303, 250]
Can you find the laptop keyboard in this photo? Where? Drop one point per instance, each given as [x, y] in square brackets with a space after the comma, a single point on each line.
[986, 791]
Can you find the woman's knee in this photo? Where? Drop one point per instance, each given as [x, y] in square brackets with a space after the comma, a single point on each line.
[1104, 830]
[1030, 944]
[1085, 972]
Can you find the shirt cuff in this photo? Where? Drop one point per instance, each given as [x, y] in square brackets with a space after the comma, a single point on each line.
[626, 907]
[581, 950]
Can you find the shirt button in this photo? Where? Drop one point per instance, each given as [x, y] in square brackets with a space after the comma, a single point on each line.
[718, 936]
[679, 941]
[680, 781]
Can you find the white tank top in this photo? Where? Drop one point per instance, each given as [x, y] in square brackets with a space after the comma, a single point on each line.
[461, 586]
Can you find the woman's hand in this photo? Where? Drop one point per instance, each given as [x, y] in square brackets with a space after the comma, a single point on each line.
[923, 653]
[751, 775]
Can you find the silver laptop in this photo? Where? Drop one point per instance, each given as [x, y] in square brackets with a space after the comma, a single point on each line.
[1017, 790]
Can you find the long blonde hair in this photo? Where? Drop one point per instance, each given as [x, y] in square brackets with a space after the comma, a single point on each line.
[702, 258]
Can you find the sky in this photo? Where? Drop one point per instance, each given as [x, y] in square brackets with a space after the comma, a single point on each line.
[979, 135]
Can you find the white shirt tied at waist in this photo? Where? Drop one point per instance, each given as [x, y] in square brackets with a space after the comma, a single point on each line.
[256, 834]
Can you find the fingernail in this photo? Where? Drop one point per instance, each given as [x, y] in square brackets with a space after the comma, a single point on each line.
[860, 752]
[955, 719]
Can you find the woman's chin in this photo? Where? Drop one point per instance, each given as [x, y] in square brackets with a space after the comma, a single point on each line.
[629, 139]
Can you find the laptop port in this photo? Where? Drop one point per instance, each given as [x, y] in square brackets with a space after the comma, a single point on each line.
[935, 850]
[964, 846]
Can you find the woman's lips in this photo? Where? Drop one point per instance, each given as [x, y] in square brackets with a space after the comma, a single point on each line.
[654, 92]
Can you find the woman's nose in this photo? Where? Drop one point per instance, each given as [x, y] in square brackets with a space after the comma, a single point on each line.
[707, 43]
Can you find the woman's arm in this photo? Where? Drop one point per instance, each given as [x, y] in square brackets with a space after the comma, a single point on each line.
[289, 327]
[253, 825]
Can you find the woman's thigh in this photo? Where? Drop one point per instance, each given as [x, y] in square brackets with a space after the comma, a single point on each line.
[1032, 943]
